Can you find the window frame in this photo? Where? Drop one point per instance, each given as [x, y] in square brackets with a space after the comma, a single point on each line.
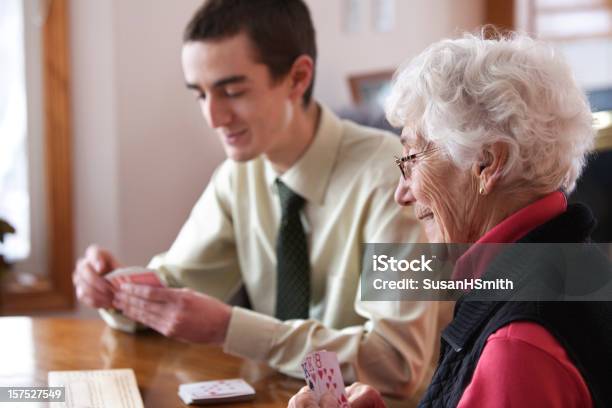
[56, 291]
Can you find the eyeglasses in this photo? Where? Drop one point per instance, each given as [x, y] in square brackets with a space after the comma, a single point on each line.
[411, 159]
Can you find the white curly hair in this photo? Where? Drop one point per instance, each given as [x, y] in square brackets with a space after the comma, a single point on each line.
[466, 94]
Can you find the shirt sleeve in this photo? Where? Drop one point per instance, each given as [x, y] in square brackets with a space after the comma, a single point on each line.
[393, 350]
[203, 256]
[523, 365]
[393, 354]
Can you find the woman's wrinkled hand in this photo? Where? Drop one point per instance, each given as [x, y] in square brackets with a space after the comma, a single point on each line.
[359, 396]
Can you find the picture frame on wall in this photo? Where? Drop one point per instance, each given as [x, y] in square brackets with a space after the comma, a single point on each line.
[370, 88]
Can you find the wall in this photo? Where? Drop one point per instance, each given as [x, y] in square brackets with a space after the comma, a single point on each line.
[94, 127]
[142, 153]
[417, 24]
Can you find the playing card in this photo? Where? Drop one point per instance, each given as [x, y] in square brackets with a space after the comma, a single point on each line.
[137, 275]
[209, 392]
[332, 378]
[313, 373]
[322, 374]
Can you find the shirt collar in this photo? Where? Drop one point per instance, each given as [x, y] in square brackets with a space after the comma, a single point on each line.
[309, 176]
[473, 263]
[521, 222]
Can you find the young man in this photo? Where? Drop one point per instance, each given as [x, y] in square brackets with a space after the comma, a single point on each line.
[284, 217]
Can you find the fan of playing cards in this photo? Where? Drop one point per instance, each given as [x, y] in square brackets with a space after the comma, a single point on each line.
[216, 392]
[322, 374]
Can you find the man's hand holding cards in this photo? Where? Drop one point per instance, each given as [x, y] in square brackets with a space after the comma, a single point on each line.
[322, 374]
[180, 313]
[135, 275]
[131, 275]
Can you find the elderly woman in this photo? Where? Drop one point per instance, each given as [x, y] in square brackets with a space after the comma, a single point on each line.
[495, 134]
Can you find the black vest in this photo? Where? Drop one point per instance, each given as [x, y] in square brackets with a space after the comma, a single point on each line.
[584, 329]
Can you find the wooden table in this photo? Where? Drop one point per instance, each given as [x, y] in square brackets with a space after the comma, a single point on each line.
[30, 348]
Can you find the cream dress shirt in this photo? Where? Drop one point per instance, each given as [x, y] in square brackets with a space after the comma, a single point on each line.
[347, 177]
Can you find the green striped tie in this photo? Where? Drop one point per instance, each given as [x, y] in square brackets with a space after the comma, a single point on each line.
[293, 267]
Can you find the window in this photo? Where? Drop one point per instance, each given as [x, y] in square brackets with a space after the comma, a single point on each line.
[14, 195]
[47, 175]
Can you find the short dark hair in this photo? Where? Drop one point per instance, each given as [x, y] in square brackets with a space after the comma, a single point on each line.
[280, 30]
